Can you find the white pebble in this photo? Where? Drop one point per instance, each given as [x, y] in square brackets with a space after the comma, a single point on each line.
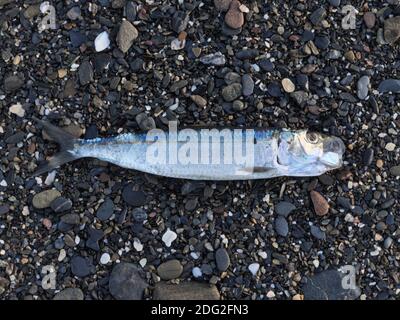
[194, 255]
[169, 237]
[17, 110]
[3, 183]
[197, 272]
[50, 178]
[137, 245]
[25, 211]
[262, 254]
[270, 294]
[254, 268]
[143, 262]
[62, 255]
[390, 146]
[102, 41]
[177, 44]
[105, 258]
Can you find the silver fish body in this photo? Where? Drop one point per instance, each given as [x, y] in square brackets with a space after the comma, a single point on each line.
[241, 155]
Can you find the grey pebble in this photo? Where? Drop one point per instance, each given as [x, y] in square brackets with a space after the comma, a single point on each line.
[232, 92]
[170, 269]
[222, 259]
[74, 13]
[69, 294]
[106, 210]
[85, 73]
[363, 87]
[126, 282]
[317, 232]
[389, 85]
[284, 208]
[80, 266]
[61, 204]
[281, 226]
[247, 85]
[127, 34]
[215, 59]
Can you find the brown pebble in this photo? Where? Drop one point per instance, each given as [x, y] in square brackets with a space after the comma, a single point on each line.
[199, 100]
[379, 163]
[222, 5]
[321, 206]
[47, 223]
[349, 55]
[369, 19]
[234, 18]
[288, 85]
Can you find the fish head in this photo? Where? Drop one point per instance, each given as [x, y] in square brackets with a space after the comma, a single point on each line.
[309, 153]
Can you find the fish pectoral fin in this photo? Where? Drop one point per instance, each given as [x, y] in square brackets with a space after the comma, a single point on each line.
[250, 170]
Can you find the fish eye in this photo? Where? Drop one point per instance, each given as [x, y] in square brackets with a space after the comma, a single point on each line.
[312, 137]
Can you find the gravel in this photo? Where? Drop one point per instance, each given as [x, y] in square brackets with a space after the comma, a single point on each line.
[105, 230]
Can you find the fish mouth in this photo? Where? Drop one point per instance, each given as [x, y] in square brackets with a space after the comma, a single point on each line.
[334, 149]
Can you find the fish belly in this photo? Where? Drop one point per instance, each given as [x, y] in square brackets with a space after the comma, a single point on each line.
[187, 160]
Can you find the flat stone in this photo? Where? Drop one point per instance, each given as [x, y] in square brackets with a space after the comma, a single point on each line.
[318, 15]
[106, 210]
[222, 5]
[234, 18]
[139, 215]
[389, 85]
[74, 13]
[69, 294]
[85, 73]
[17, 109]
[133, 197]
[368, 156]
[369, 19]
[215, 59]
[395, 171]
[131, 11]
[170, 269]
[363, 87]
[317, 232]
[327, 285]
[247, 85]
[288, 85]
[77, 38]
[127, 34]
[334, 3]
[222, 259]
[321, 206]
[4, 209]
[12, 83]
[179, 21]
[284, 208]
[185, 291]
[199, 100]
[322, 42]
[61, 204]
[232, 92]
[71, 218]
[281, 226]
[80, 266]
[126, 283]
[43, 199]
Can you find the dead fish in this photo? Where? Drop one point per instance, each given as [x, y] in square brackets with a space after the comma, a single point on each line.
[206, 154]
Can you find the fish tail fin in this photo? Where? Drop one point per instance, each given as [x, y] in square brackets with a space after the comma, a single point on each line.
[66, 142]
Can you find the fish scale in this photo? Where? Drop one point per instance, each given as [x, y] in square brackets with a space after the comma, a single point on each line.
[240, 155]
